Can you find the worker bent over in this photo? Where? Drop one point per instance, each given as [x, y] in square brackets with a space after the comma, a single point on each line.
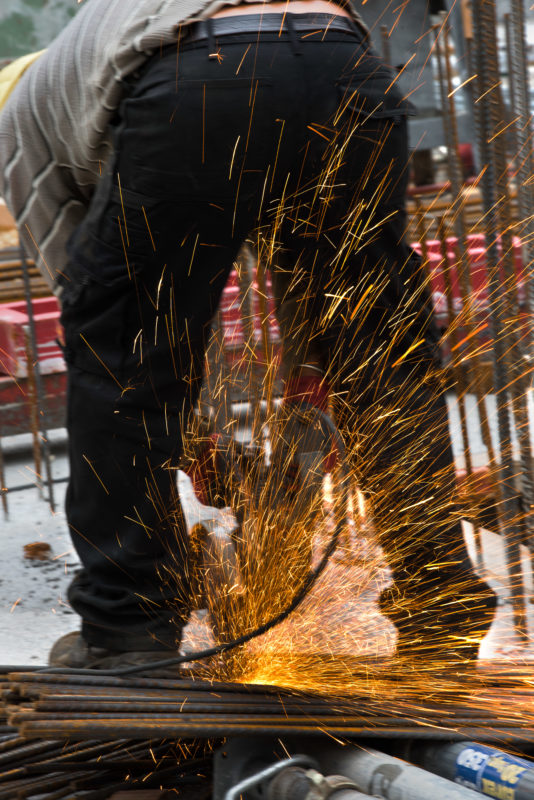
[137, 154]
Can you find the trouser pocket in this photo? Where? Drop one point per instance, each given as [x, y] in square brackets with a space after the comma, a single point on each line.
[96, 319]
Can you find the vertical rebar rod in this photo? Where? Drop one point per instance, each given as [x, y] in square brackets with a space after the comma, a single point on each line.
[520, 91]
[484, 24]
[462, 383]
[45, 444]
[517, 368]
[521, 152]
[462, 252]
[245, 274]
[3, 487]
[514, 345]
[33, 411]
[268, 353]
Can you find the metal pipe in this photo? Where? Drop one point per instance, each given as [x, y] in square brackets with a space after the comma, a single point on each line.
[491, 772]
[385, 776]
[265, 774]
[295, 783]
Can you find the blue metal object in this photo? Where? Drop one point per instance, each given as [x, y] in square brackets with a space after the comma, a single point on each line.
[491, 772]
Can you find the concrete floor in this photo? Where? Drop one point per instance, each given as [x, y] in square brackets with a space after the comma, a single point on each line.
[340, 616]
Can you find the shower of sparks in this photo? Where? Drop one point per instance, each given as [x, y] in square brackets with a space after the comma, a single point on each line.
[337, 641]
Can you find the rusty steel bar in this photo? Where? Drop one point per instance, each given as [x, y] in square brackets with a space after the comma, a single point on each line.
[150, 729]
[38, 379]
[484, 24]
[245, 273]
[33, 412]
[3, 486]
[520, 95]
[521, 136]
[462, 382]
[463, 258]
[517, 363]
[268, 351]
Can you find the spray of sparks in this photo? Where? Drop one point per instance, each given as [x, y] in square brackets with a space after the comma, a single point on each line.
[337, 642]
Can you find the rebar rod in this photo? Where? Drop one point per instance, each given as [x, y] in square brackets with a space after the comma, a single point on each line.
[38, 378]
[521, 136]
[517, 363]
[245, 274]
[462, 243]
[372, 721]
[3, 485]
[520, 92]
[157, 683]
[484, 32]
[462, 383]
[268, 352]
[33, 412]
[141, 729]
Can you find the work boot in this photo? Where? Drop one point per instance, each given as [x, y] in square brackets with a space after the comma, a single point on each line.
[73, 651]
[438, 630]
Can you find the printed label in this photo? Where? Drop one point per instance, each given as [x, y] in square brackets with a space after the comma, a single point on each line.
[490, 771]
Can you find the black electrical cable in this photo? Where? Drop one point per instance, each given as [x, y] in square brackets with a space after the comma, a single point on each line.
[305, 589]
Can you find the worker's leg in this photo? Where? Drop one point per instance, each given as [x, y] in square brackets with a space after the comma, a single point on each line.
[370, 315]
[134, 347]
[146, 272]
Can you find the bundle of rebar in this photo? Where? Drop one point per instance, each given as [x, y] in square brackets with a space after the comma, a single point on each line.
[94, 770]
[487, 707]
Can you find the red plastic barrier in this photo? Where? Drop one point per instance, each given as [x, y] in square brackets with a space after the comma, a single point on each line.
[14, 328]
[478, 272]
[14, 320]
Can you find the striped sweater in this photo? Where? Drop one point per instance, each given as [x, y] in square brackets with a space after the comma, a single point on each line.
[55, 126]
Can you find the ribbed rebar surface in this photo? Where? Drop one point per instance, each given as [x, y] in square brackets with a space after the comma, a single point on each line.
[66, 733]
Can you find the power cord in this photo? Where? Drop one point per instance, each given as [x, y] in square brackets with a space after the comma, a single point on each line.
[305, 589]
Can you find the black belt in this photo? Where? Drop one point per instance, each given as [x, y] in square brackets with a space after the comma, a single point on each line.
[268, 23]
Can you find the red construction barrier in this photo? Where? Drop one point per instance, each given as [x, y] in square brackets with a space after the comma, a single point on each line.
[478, 271]
[14, 319]
[233, 328]
[14, 330]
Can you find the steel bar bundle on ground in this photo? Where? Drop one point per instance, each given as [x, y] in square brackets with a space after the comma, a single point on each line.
[486, 707]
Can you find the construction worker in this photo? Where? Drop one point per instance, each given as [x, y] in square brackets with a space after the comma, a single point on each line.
[136, 155]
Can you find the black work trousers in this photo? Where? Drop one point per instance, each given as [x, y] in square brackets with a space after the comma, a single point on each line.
[298, 139]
